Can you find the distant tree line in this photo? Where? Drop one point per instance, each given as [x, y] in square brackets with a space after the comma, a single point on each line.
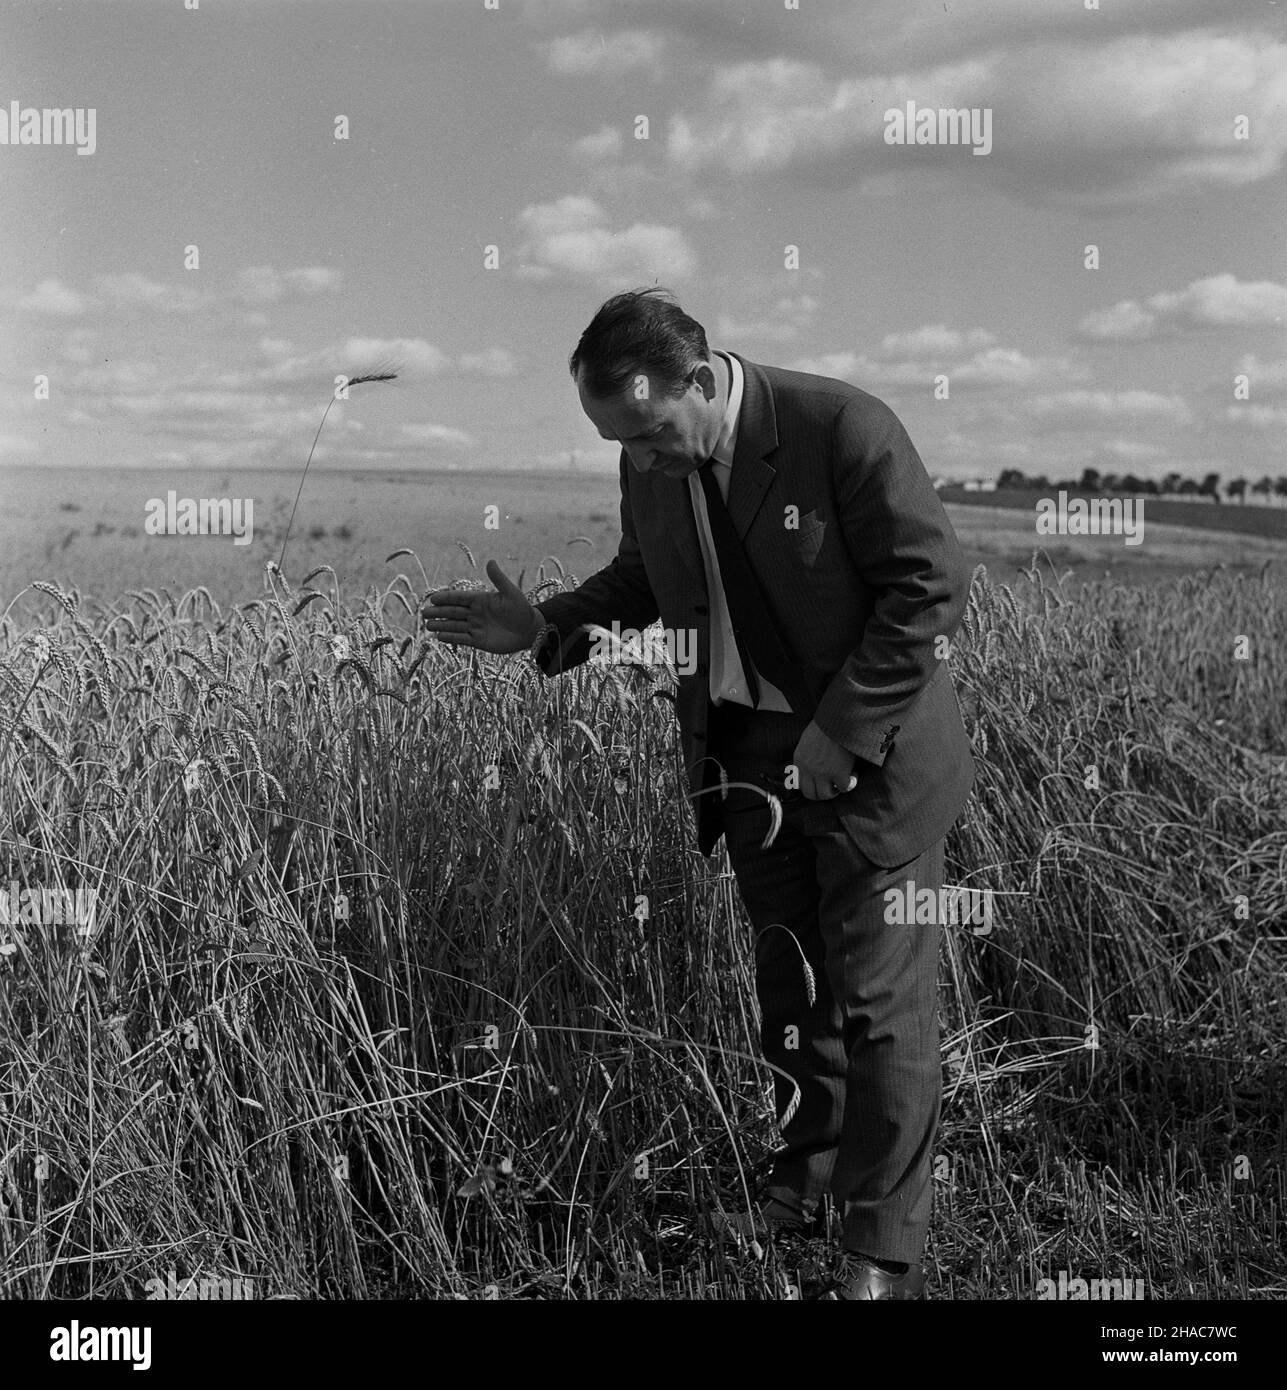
[1173, 485]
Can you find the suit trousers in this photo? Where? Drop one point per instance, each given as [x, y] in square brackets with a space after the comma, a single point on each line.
[860, 1039]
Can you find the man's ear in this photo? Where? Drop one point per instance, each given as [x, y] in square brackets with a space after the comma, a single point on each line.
[703, 374]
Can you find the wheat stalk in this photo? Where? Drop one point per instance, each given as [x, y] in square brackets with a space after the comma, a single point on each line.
[355, 381]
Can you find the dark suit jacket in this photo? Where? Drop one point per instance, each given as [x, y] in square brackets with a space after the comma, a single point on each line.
[859, 593]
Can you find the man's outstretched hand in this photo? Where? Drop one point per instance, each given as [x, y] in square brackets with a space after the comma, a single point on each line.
[501, 622]
[826, 769]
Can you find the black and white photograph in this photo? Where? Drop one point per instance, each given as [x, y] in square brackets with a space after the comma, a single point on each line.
[643, 657]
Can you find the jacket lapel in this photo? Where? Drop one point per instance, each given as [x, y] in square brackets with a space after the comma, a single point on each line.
[757, 436]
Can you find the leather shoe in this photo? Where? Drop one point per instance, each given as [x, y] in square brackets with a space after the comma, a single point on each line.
[857, 1277]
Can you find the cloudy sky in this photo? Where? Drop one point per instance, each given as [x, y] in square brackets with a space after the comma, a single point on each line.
[1154, 130]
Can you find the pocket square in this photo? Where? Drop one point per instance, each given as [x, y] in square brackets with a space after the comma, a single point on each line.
[810, 536]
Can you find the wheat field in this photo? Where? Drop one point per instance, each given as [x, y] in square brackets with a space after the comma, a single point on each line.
[405, 979]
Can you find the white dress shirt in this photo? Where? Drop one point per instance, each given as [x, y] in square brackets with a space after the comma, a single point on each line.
[727, 679]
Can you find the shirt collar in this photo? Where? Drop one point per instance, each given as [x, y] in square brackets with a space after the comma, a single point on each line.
[727, 441]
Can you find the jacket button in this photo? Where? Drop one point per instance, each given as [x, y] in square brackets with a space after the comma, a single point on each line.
[700, 608]
[700, 735]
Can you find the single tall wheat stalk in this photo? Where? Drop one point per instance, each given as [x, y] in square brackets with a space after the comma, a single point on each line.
[335, 395]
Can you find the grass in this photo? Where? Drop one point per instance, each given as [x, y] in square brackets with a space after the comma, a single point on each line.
[407, 981]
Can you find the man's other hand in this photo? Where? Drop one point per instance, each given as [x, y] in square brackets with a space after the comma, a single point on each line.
[501, 622]
[826, 769]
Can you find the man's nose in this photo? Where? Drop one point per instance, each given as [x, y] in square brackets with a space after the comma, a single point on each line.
[642, 459]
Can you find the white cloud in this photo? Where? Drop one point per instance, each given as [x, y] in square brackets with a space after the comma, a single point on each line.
[892, 35]
[790, 315]
[1218, 301]
[605, 143]
[406, 356]
[1082, 123]
[133, 288]
[1126, 321]
[1135, 450]
[757, 117]
[268, 410]
[569, 236]
[353, 357]
[256, 286]
[278, 393]
[591, 53]
[966, 358]
[1259, 417]
[919, 28]
[571, 213]
[445, 435]
[259, 285]
[1070, 409]
[78, 346]
[1267, 378]
[934, 340]
[312, 279]
[15, 446]
[117, 374]
[1222, 300]
[1007, 367]
[845, 366]
[188, 402]
[490, 362]
[55, 299]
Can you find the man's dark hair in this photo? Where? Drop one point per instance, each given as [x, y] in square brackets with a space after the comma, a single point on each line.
[639, 332]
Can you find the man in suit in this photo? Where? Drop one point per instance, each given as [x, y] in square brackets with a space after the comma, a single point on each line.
[787, 522]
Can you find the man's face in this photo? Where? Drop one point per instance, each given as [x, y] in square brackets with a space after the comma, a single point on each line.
[661, 432]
